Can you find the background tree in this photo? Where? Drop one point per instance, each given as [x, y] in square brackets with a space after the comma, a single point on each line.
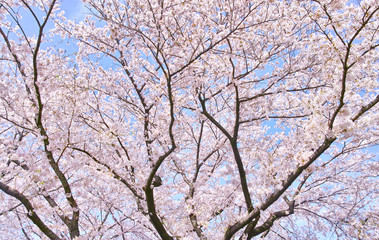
[190, 120]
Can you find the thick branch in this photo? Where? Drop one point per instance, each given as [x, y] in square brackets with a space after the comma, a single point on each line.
[365, 108]
[233, 143]
[149, 190]
[273, 217]
[275, 196]
[74, 226]
[32, 215]
[295, 174]
[231, 230]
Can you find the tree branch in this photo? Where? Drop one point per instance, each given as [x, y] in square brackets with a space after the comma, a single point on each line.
[32, 215]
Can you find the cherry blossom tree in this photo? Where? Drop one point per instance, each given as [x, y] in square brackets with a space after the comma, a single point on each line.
[189, 119]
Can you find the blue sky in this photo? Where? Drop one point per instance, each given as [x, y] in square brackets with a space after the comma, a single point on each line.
[74, 9]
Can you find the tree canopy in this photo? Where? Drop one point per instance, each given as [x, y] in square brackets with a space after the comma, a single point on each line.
[189, 119]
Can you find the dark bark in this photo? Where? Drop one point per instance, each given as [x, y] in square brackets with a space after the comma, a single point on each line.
[32, 215]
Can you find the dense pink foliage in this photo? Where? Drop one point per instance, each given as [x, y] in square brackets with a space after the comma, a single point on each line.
[189, 119]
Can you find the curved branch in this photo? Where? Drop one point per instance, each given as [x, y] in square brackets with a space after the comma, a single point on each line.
[233, 143]
[365, 108]
[32, 215]
[149, 190]
[115, 174]
[273, 217]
